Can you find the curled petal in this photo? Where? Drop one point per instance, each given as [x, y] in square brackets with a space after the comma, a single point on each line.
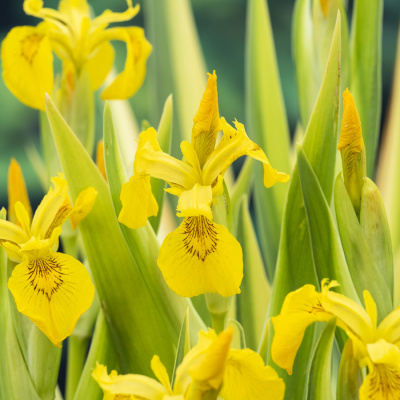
[247, 377]
[108, 17]
[131, 78]
[234, 144]
[138, 202]
[28, 65]
[53, 291]
[201, 257]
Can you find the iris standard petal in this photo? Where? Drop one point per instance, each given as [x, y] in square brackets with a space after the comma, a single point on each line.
[53, 291]
[83, 205]
[201, 257]
[28, 65]
[206, 122]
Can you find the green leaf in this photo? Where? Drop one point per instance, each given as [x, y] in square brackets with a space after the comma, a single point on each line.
[252, 303]
[177, 66]
[243, 184]
[125, 298]
[365, 272]
[81, 112]
[295, 265]
[171, 306]
[366, 72]
[349, 376]
[239, 337]
[389, 162]
[320, 385]
[164, 132]
[101, 351]
[266, 124]
[183, 346]
[329, 259]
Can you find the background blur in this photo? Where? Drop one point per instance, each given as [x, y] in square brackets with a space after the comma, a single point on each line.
[221, 26]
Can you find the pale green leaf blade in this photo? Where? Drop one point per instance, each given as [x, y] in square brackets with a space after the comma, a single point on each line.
[177, 66]
[239, 337]
[252, 303]
[125, 299]
[366, 72]
[320, 385]
[266, 124]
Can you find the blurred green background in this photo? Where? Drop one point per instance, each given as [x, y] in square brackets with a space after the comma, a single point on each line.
[221, 27]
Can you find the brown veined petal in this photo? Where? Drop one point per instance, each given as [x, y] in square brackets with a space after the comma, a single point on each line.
[206, 122]
[53, 291]
[201, 257]
[28, 65]
[127, 83]
[247, 377]
[138, 202]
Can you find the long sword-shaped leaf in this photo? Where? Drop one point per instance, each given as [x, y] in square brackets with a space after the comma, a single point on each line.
[366, 71]
[320, 386]
[177, 64]
[295, 266]
[267, 124]
[137, 327]
[253, 301]
[142, 242]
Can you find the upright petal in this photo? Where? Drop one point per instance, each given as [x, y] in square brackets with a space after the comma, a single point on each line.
[201, 257]
[138, 202]
[100, 162]
[53, 210]
[131, 78]
[53, 291]
[247, 377]
[28, 65]
[17, 191]
[206, 122]
[124, 386]
[234, 144]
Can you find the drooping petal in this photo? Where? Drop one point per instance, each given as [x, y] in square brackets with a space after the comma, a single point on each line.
[195, 202]
[17, 191]
[124, 386]
[53, 291]
[206, 121]
[138, 202]
[131, 78]
[151, 160]
[28, 65]
[247, 377]
[300, 309]
[234, 144]
[201, 257]
[53, 210]
[83, 205]
[383, 379]
[99, 64]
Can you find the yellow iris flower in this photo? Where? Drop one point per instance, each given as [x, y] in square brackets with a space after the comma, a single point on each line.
[200, 256]
[209, 368]
[375, 347]
[80, 42]
[50, 288]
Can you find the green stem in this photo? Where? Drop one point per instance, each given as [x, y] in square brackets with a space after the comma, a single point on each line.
[218, 307]
[77, 346]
